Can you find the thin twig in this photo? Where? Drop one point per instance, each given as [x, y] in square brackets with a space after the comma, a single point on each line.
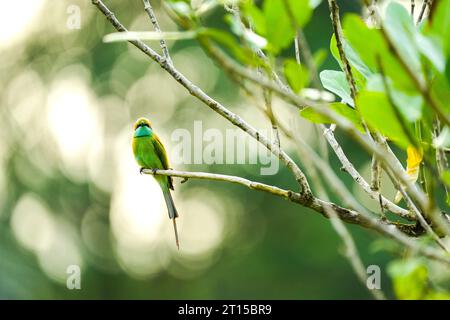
[268, 103]
[148, 8]
[301, 46]
[234, 9]
[297, 50]
[375, 175]
[372, 16]
[337, 29]
[422, 10]
[441, 157]
[350, 169]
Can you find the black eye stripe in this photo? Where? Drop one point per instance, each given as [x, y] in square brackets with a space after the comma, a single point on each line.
[143, 125]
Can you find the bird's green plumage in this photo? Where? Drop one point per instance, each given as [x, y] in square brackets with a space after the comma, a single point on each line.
[149, 153]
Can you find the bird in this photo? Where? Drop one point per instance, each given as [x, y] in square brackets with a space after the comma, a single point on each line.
[149, 153]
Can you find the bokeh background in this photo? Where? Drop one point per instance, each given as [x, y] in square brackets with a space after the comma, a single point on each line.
[71, 194]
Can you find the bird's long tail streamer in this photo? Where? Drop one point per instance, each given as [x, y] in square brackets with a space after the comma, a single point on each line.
[176, 233]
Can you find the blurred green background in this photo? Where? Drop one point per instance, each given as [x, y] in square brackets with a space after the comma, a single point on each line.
[71, 193]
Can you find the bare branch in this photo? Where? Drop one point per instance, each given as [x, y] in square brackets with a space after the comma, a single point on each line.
[375, 175]
[422, 10]
[148, 8]
[337, 29]
[318, 205]
[350, 169]
[287, 194]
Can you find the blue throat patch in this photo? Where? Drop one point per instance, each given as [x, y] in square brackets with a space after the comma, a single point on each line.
[143, 131]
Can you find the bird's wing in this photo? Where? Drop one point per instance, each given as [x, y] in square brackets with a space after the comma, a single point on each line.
[162, 155]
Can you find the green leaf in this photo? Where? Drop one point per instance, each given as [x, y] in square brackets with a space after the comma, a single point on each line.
[296, 76]
[400, 28]
[336, 82]
[440, 88]
[340, 108]
[253, 39]
[443, 140]
[301, 9]
[366, 42]
[256, 17]
[447, 71]
[440, 25]
[313, 116]
[432, 50]
[279, 30]
[373, 50]
[314, 3]
[446, 177]
[241, 53]
[359, 70]
[380, 115]
[354, 59]
[409, 104]
[409, 278]
[181, 8]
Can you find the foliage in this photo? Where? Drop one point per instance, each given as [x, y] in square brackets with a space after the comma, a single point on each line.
[400, 73]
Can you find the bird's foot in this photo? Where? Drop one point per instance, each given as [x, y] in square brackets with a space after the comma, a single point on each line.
[184, 180]
[141, 170]
[154, 170]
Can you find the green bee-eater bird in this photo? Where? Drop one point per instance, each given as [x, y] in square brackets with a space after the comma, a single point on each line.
[149, 153]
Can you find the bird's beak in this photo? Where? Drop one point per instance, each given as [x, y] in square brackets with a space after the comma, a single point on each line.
[142, 131]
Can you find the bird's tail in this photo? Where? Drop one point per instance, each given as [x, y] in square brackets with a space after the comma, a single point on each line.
[173, 214]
